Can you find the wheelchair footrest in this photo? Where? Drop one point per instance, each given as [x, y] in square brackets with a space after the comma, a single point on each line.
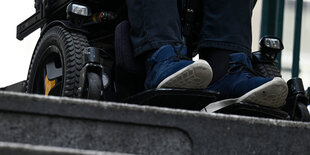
[174, 98]
[247, 109]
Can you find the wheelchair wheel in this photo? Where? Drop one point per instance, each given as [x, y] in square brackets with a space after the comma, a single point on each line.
[94, 86]
[302, 113]
[56, 63]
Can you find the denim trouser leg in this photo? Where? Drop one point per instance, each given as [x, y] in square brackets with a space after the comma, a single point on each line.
[153, 23]
[227, 25]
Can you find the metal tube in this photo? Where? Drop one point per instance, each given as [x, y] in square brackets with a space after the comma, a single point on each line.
[279, 33]
[297, 36]
[272, 20]
[268, 24]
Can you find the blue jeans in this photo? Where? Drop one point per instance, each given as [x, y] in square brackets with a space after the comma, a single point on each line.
[226, 24]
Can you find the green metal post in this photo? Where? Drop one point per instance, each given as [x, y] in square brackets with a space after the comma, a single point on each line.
[268, 24]
[279, 33]
[272, 20]
[297, 35]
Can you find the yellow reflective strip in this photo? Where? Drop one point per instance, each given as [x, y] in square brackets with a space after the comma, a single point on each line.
[95, 18]
[49, 85]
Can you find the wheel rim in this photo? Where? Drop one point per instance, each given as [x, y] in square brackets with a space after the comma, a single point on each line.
[47, 81]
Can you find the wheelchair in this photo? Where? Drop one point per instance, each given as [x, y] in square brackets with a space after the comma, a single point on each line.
[84, 51]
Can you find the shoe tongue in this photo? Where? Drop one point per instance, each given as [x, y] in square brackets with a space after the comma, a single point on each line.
[167, 51]
[241, 58]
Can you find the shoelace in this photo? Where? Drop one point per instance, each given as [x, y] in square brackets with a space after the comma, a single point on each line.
[178, 57]
[178, 52]
[239, 67]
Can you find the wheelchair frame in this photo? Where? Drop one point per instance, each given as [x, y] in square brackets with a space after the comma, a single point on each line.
[100, 35]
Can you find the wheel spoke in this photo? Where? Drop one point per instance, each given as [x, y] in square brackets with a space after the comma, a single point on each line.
[52, 71]
[49, 85]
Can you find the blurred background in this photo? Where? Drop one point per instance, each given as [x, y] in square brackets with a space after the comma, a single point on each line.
[15, 55]
[288, 37]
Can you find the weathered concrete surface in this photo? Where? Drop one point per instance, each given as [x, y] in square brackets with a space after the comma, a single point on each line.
[27, 149]
[123, 128]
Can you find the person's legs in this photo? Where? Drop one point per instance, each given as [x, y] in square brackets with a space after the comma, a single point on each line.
[156, 35]
[226, 39]
[226, 28]
[153, 23]
[227, 25]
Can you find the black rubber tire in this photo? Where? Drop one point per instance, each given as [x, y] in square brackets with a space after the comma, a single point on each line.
[302, 113]
[94, 86]
[70, 46]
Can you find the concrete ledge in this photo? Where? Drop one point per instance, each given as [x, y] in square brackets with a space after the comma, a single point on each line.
[116, 127]
[27, 149]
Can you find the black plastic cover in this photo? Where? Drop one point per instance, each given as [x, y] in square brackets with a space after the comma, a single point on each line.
[174, 98]
[247, 109]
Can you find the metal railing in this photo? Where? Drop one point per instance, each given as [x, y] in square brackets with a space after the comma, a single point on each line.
[272, 24]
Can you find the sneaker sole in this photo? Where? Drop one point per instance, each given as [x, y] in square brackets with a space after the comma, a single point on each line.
[264, 95]
[197, 75]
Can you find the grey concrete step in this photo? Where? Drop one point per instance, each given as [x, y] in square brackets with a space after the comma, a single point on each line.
[123, 128]
[27, 149]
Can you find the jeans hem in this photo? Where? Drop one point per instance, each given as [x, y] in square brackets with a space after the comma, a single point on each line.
[152, 46]
[224, 45]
